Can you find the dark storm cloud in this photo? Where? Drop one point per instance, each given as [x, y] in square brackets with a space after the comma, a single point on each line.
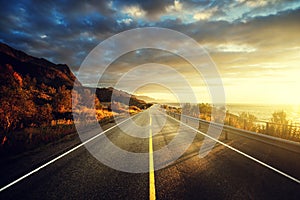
[55, 30]
[65, 31]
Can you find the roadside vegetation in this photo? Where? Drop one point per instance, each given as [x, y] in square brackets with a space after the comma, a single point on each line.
[277, 126]
[34, 114]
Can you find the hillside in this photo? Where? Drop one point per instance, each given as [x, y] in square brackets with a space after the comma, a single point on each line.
[35, 91]
[105, 94]
[54, 75]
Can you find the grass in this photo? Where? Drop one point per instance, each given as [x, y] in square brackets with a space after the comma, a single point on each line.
[32, 138]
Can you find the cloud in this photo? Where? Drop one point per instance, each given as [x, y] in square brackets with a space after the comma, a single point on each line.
[176, 7]
[134, 11]
[150, 10]
[235, 48]
[126, 21]
[205, 14]
[255, 3]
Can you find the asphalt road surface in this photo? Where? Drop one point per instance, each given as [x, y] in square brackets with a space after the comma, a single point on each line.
[222, 174]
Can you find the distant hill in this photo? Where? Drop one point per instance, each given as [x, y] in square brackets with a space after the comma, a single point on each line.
[105, 94]
[146, 98]
[151, 100]
[34, 90]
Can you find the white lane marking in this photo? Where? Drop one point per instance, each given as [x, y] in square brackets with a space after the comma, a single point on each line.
[240, 152]
[60, 156]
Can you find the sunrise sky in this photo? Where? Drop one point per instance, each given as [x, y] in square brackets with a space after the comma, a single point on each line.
[255, 45]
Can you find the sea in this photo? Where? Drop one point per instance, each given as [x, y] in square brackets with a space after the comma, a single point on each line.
[263, 112]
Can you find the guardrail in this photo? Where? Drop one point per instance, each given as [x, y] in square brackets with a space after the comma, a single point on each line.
[285, 131]
[282, 143]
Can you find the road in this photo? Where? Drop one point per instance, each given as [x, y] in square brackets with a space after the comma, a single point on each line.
[222, 174]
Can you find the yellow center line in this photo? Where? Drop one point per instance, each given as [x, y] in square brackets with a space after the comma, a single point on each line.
[151, 164]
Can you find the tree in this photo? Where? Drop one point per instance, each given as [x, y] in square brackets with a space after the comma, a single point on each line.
[63, 100]
[98, 105]
[205, 111]
[10, 115]
[87, 98]
[16, 106]
[186, 109]
[246, 121]
[279, 117]
[45, 114]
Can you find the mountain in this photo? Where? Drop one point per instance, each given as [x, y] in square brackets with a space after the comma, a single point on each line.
[54, 75]
[34, 91]
[150, 99]
[105, 95]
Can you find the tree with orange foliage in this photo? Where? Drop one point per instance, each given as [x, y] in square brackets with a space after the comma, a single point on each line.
[16, 106]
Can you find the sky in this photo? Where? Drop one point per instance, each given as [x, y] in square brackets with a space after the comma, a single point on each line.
[254, 45]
